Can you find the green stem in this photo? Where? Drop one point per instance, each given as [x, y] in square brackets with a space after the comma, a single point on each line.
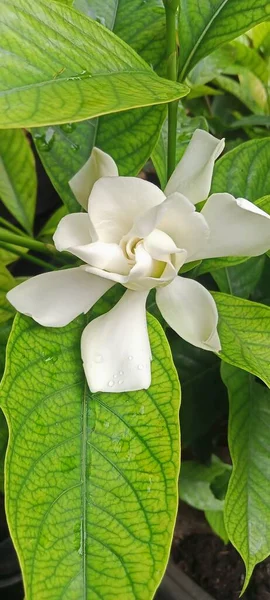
[32, 259]
[27, 242]
[171, 7]
[12, 227]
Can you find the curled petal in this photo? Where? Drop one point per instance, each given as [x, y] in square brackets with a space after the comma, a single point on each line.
[184, 225]
[115, 347]
[54, 299]
[237, 228]
[103, 256]
[190, 310]
[72, 230]
[177, 217]
[192, 176]
[116, 202]
[98, 165]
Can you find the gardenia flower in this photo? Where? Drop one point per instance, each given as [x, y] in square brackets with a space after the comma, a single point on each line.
[139, 236]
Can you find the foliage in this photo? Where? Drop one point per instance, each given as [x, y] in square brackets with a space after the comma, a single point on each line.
[91, 478]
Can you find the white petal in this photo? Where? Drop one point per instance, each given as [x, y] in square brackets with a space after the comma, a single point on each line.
[115, 347]
[237, 228]
[116, 202]
[160, 245]
[184, 225]
[192, 176]
[103, 256]
[72, 230]
[56, 298]
[98, 165]
[190, 310]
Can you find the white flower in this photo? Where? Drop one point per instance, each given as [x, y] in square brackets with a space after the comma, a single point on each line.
[136, 235]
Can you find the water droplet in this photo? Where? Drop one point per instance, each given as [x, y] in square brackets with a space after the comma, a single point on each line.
[120, 381]
[140, 367]
[68, 127]
[101, 20]
[149, 489]
[98, 358]
[115, 376]
[142, 410]
[44, 141]
[75, 147]
[111, 383]
[121, 372]
[130, 358]
[107, 424]
[48, 359]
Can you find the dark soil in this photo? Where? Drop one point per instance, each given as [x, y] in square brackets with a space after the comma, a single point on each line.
[218, 568]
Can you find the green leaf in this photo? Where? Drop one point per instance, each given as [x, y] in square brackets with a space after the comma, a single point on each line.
[240, 280]
[196, 480]
[247, 500]
[7, 257]
[4, 333]
[233, 58]
[243, 171]
[204, 26]
[66, 67]
[244, 329]
[92, 478]
[215, 519]
[128, 137]
[49, 228]
[250, 91]
[198, 370]
[251, 121]
[3, 445]
[18, 181]
[6, 283]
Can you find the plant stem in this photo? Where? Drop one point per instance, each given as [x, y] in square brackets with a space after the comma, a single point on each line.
[12, 227]
[32, 259]
[27, 242]
[171, 8]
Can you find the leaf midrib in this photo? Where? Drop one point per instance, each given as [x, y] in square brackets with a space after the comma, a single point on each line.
[194, 49]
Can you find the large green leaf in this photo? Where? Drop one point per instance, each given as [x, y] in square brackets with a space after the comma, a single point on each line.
[18, 182]
[206, 24]
[91, 478]
[6, 283]
[4, 333]
[66, 67]
[243, 171]
[247, 500]
[244, 329]
[127, 136]
[242, 279]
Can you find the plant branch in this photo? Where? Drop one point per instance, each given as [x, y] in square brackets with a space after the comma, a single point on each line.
[33, 259]
[171, 8]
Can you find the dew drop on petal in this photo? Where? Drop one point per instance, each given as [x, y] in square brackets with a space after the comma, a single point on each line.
[130, 358]
[120, 381]
[121, 372]
[111, 383]
[115, 376]
[140, 367]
